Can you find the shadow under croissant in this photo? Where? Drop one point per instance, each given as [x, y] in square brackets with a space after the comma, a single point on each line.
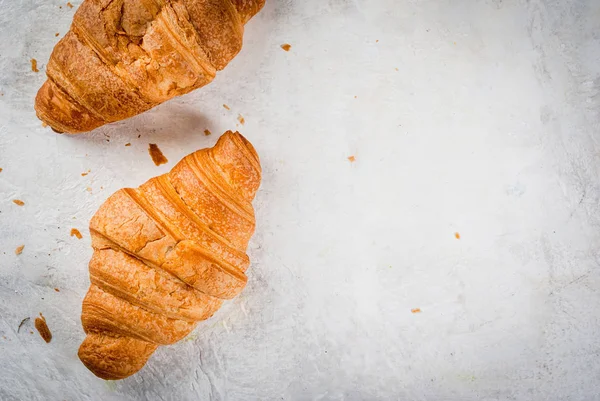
[170, 123]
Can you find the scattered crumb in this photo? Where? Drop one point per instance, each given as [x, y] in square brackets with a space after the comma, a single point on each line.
[455, 43]
[227, 107]
[396, 69]
[69, 5]
[207, 132]
[139, 136]
[56, 34]
[352, 159]
[34, 65]
[89, 189]
[57, 290]
[42, 328]
[75, 233]
[157, 155]
[18, 202]
[0, 170]
[30, 332]
[19, 249]
[416, 310]
[377, 41]
[286, 47]
[128, 144]
[86, 173]
[22, 323]
[356, 97]
[457, 235]
[241, 119]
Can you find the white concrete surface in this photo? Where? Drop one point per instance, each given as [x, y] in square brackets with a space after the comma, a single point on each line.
[476, 117]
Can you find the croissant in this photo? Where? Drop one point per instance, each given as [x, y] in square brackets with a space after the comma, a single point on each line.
[167, 254]
[123, 57]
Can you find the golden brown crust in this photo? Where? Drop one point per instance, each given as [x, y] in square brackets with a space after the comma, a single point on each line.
[248, 8]
[124, 276]
[167, 254]
[123, 57]
[114, 358]
[63, 113]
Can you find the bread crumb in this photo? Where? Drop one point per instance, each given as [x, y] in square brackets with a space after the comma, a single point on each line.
[42, 328]
[227, 107]
[457, 235]
[75, 233]
[377, 41]
[89, 189]
[44, 125]
[19, 249]
[128, 144]
[286, 47]
[22, 323]
[34, 65]
[0, 170]
[352, 159]
[57, 290]
[86, 173]
[241, 119]
[396, 69]
[207, 132]
[18, 202]
[56, 34]
[157, 155]
[416, 310]
[356, 97]
[69, 5]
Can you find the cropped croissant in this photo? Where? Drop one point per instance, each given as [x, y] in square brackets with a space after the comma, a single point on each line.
[123, 57]
[167, 254]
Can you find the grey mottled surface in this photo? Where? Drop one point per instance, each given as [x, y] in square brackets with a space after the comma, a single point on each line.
[477, 117]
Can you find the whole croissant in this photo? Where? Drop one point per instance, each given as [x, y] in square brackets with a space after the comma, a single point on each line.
[123, 57]
[167, 254]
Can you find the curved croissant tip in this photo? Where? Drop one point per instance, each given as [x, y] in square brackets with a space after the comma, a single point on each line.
[62, 113]
[240, 139]
[248, 8]
[114, 358]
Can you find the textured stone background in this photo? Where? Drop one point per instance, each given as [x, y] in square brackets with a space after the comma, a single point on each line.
[477, 117]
